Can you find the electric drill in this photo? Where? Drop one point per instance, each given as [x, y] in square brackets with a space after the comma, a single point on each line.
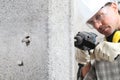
[85, 40]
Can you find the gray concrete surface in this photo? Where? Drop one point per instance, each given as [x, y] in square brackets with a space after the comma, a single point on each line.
[61, 40]
[36, 40]
[18, 19]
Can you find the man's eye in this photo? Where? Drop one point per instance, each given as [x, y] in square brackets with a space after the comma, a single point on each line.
[91, 22]
[98, 17]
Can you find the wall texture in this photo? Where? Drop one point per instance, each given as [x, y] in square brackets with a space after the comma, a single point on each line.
[61, 47]
[36, 40]
[22, 20]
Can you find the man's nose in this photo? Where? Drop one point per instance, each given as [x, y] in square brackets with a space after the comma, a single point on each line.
[97, 24]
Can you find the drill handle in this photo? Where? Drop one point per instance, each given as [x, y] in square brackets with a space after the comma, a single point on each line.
[89, 44]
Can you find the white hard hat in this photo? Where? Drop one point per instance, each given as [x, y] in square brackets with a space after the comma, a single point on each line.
[88, 8]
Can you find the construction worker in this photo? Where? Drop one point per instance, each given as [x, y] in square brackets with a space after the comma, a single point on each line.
[104, 16]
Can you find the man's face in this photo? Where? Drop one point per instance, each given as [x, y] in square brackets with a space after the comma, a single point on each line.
[105, 20]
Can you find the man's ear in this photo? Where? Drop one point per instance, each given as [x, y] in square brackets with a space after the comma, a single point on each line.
[115, 7]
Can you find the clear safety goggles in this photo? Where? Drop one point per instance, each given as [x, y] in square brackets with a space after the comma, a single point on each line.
[98, 17]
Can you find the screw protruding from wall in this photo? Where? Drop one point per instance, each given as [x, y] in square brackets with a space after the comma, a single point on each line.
[20, 63]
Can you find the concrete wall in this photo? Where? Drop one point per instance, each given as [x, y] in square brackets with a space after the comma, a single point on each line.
[36, 40]
[21, 19]
[61, 39]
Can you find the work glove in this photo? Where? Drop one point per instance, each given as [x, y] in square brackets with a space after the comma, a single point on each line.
[82, 56]
[106, 51]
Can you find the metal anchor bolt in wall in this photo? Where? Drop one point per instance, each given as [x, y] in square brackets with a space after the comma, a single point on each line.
[26, 40]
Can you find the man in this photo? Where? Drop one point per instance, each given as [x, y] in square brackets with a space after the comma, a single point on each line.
[103, 15]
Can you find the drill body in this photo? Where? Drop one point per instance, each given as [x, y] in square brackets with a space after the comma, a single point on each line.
[85, 40]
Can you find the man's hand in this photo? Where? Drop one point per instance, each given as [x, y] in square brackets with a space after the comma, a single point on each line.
[82, 56]
[106, 51]
[85, 70]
